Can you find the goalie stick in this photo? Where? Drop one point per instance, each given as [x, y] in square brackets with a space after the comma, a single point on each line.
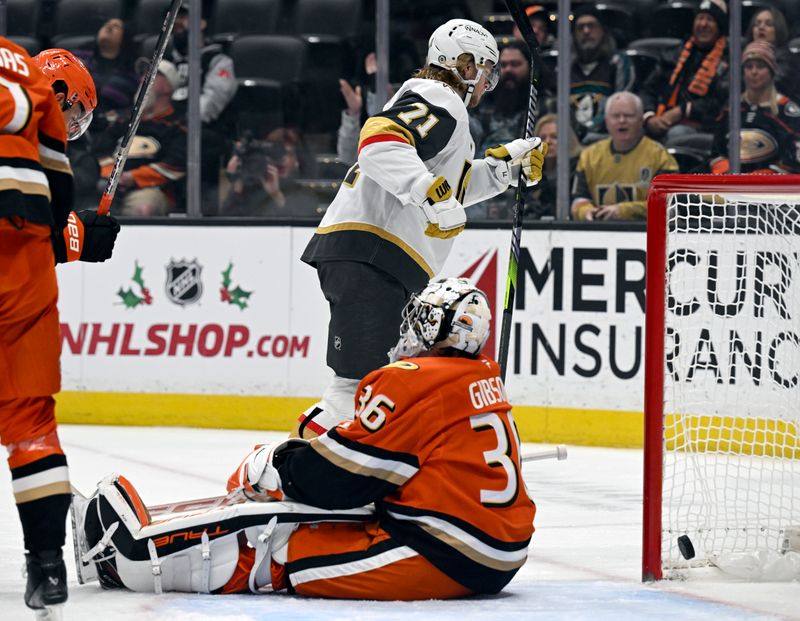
[525, 28]
[235, 497]
[136, 114]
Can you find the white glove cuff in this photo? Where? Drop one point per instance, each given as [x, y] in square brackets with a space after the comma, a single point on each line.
[419, 189]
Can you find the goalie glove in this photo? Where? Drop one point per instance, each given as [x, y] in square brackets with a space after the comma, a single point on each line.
[445, 215]
[88, 237]
[257, 476]
[506, 160]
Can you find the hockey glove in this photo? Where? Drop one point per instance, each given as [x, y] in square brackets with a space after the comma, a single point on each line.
[445, 215]
[525, 152]
[87, 237]
[257, 476]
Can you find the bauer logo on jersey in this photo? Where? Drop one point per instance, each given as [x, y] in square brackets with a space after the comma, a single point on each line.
[184, 285]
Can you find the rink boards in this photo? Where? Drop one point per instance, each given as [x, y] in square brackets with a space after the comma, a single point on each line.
[223, 326]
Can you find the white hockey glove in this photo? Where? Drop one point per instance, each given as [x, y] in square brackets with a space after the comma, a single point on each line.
[257, 476]
[445, 215]
[506, 160]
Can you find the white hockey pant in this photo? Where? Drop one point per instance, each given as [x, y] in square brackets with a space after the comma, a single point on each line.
[196, 552]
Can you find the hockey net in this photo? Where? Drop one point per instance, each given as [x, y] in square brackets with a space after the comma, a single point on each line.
[722, 373]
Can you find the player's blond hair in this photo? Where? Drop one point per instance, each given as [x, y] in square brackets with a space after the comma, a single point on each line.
[432, 72]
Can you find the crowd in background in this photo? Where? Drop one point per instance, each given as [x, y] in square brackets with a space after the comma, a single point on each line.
[281, 114]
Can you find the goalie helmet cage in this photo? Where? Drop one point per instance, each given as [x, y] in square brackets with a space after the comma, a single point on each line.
[722, 363]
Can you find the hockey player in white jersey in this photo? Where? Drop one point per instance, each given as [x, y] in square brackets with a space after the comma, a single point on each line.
[393, 222]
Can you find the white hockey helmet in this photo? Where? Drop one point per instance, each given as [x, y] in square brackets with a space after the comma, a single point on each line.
[448, 314]
[462, 36]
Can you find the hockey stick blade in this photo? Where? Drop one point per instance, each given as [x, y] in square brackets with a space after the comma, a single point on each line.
[124, 148]
[558, 452]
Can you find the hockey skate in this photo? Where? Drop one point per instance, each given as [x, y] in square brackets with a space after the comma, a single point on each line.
[94, 523]
[46, 590]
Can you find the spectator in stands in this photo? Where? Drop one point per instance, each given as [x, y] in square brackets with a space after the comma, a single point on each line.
[218, 87]
[111, 63]
[540, 201]
[501, 117]
[613, 175]
[770, 134]
[770, 25]
[356, 112]
[156, 164]
[691, 98]
[540, 22]
[598, 70]
[262, 175]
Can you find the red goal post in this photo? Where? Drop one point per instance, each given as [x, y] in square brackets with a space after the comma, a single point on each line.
[713, 200]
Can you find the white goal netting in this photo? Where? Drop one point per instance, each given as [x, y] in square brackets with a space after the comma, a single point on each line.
[731, 479]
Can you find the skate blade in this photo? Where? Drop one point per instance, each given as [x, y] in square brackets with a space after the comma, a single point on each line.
[50, 613]
[87, 572]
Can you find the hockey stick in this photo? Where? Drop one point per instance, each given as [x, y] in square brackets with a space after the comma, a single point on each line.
[525, 28]
[136, 114]
[235, 497]
[559, 452]
[198, 504]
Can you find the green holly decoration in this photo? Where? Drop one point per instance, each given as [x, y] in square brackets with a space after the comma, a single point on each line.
[237, 295]
[129, 298]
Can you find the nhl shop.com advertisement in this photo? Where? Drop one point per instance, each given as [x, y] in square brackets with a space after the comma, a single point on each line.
[229, 310]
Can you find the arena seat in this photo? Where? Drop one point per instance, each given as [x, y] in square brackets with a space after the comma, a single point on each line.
[329, 27]
[22, 18]
[84, 17]
[498, 24]
[33, 45]
[657, 46]
[644, 64]
[699, 141]
[285, 56]
[240, 17]
[148, 16]
[340, 18]
[74, 42]
[619, 21]
[269, 93]
[689, 160]
[672, 19]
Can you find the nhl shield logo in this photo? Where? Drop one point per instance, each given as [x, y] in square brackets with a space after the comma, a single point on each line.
[183, 282]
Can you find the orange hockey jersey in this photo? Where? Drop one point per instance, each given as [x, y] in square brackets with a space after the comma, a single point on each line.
[35, 175]
[435, 446]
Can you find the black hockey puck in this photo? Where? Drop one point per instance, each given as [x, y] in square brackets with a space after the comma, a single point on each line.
[686, 547]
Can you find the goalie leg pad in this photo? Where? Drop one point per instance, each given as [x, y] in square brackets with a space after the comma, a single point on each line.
[190, 552]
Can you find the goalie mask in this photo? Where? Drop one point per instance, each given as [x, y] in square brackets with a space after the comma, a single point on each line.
[462, 36]
[450, 314]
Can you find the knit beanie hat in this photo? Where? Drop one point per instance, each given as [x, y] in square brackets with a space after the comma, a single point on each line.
[718, 10]
[763, 51]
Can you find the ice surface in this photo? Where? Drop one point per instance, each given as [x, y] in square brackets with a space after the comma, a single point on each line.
[584, 560]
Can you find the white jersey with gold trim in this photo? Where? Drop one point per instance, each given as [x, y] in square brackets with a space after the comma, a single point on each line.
[422, 131]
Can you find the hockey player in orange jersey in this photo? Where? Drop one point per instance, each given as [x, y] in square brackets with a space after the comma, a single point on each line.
[433, 446]
[44, 101]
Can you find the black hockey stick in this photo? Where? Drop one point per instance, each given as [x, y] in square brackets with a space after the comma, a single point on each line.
[136, 114]
[525, 28]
